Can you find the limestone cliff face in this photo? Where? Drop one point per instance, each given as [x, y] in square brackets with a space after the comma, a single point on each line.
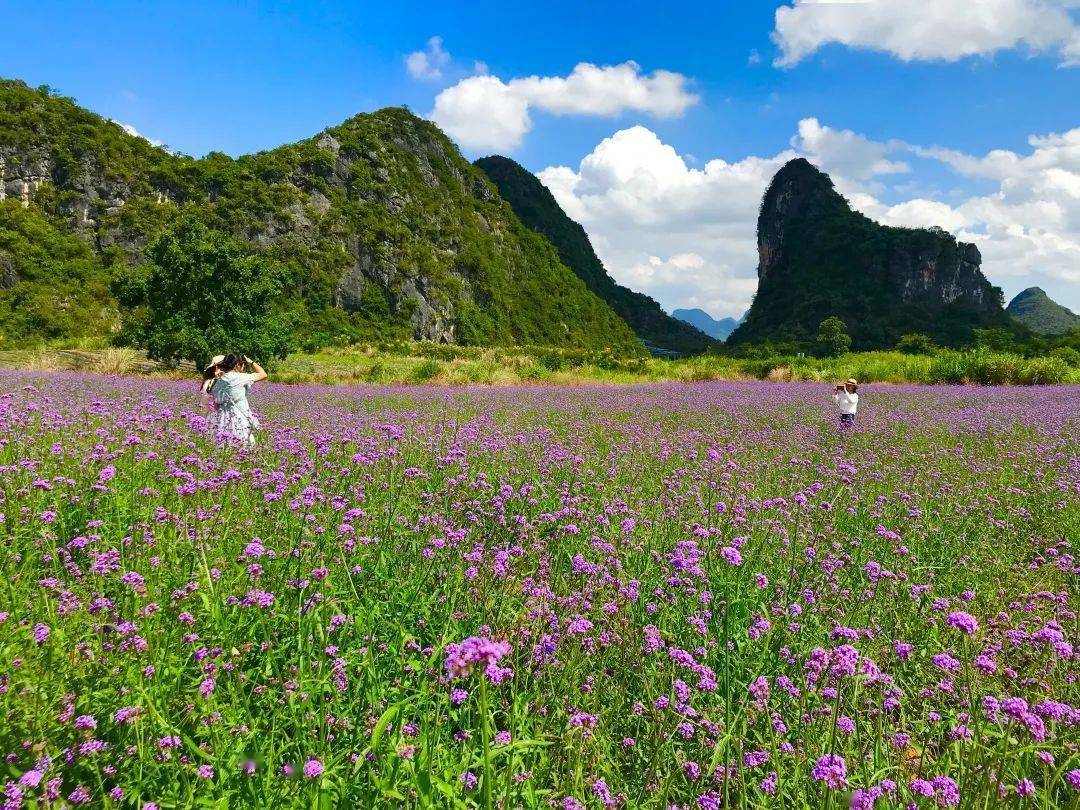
[92, 201]
[817, 257]
[937, 275]
[88, 197]
[21, 175]
[388, 228]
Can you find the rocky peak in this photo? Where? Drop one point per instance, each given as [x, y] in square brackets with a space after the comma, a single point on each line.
[1040, 313]
[797, 190]
[1030, 294]
[817, 257]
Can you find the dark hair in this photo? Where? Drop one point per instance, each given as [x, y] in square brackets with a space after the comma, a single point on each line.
[210, 372]
[231, 361]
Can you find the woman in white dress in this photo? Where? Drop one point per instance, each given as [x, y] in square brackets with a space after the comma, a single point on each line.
[235, 419]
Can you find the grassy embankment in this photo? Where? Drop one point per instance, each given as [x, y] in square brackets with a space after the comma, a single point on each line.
[423, 363]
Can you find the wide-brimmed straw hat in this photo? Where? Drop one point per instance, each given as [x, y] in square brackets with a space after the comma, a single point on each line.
[852, 381]
[217, 358]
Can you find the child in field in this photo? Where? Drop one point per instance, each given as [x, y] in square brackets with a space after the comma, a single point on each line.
[847, 400]
[209, 377]
[235, 419]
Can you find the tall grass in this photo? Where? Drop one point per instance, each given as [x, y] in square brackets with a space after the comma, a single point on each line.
[117, 362]
[455, 365]
[428, 363]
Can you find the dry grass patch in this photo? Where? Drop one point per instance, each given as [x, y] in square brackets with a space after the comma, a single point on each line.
[117, 362]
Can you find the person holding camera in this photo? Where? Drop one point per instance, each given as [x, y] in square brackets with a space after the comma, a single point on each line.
[846, 398]
[235, 418]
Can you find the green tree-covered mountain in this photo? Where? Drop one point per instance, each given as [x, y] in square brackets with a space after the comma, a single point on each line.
[383, 228]
[1041, 314]
[538, 209]
[700, 319]
[818, 258]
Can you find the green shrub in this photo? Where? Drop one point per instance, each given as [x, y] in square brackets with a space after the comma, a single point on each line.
[551, 360]
[1044, 371]
[479, 372]
[996, 339]
[1067, 354]
[833, 339]
[703, 373]
[377, 373]
[760, 367]
[948, 368]
[916, 343]
[426, 370]
[532, 371]
[996, 369]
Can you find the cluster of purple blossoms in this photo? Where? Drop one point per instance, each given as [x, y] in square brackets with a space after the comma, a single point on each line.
[832, 770]
[963, 621]
[477, 652]
[942, 789]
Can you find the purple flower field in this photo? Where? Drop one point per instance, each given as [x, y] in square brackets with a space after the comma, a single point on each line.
[672, 596]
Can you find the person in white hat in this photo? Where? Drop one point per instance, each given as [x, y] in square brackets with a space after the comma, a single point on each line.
[846, 398]
[210, 375]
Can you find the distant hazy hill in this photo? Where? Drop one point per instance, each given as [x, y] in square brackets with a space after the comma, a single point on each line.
[817, 257]
[537, 208]
[386, 229]
[1041, 314]
[701, 319]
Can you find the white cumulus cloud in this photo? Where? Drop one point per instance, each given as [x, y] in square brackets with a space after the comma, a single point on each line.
[1029, 227]
[428, 64]
[945, 30]
[485, 112]
[687, 236]
[683, 235]
[844, 152]
[130, 130]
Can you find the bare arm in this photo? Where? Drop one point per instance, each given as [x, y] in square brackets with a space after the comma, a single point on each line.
[260, 375]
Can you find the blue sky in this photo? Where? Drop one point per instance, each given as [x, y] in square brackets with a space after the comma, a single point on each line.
[247, 77]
